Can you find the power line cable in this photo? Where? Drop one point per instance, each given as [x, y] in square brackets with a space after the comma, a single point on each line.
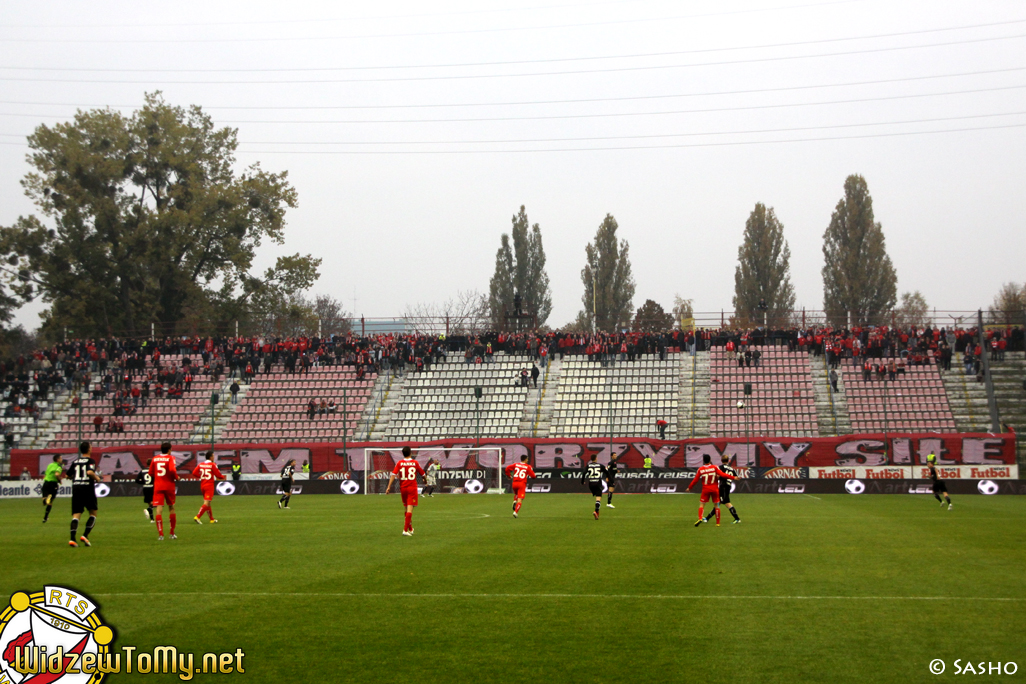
[646, 136]
[501, 29]
[650, 135]
[606, 70]
[628, 98]
[636, 147]
[553, 60]
[601, 115]
[323, 20]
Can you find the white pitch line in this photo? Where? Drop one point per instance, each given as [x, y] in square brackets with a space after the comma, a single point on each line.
[672, 597]
[813, 497]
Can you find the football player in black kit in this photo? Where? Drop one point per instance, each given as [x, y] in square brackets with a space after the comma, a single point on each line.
[725, 492]
[593, 474]
[611, 473]
[146, 480]
[286, 483]
[82, 473]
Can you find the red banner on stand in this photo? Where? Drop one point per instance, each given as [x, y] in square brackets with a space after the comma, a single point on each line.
[967, 449]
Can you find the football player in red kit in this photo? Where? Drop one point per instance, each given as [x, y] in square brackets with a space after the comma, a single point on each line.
[518, 473]
[407, 470]
[208, 475]
[165, 474]
[710, 476]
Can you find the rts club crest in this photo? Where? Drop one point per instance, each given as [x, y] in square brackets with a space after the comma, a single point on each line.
[54, 635]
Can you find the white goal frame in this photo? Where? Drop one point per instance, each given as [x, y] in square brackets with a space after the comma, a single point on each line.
[369, 452]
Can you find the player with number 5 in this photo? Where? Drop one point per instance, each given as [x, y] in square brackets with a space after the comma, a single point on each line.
[165, 474]
[407, 470]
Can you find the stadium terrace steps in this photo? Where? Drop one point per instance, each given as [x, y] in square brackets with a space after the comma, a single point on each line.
[390, 403]
[440, 402]
[624, 397]
[782, 400]
[693, 417]
[831, 407]
[537, 420]
[1008, 376]
[275, 409]
[914, 402]
[41, 434]
[375, 406]
[966, 397]
[222, 414]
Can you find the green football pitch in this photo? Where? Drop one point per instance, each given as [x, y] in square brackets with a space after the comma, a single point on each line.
[807, 589]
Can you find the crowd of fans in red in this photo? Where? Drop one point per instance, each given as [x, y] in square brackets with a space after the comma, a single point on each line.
[129, 371]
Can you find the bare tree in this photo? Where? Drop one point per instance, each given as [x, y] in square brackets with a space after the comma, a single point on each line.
[465, 313]
[912, 312]
[1009, 305]
[682, 309]
[334, 319]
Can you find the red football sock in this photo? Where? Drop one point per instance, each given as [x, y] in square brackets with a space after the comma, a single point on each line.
[516, 507]
[160, 525]
[701, 510]
[717, 516]
[173, 518]
[409, 522]
[202, 510]
[210, 512]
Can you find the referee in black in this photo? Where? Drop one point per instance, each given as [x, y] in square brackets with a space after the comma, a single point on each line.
[593, 474]
[725, 491]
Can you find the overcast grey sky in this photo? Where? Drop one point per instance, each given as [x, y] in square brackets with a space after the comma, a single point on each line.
[413, 132]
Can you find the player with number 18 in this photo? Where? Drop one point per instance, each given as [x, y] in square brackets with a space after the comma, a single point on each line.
[407, 470]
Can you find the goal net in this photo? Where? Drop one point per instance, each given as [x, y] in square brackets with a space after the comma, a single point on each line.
[461, 470]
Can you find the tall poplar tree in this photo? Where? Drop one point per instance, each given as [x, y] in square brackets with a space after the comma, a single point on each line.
[520, 270]
[500, 288]
[762, 279]
[858, 278]
[608, 283]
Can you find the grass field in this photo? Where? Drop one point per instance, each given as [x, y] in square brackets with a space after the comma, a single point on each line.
[807, 589]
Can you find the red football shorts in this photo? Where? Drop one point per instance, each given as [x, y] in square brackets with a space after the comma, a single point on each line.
[207, 490]
[519, 489]
[159, 496]
[409, 496]
[710, 495]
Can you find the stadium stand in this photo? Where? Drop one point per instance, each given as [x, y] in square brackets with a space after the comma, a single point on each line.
[155, 420]
[275, 408]
[637, 392]
[782, 400]
[440, 402]
[915, 400]
[577, 396]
